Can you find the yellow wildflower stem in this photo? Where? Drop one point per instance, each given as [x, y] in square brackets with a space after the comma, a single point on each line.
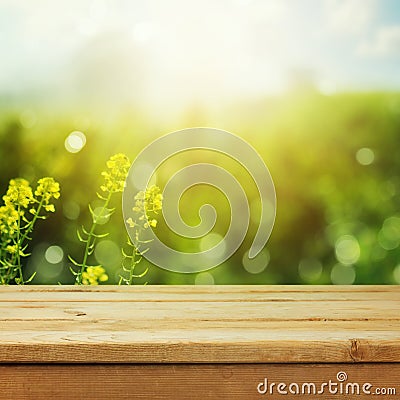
[32, 223]
[78, 279]
[2, 282]
[133, 262]
[19, 267]
[21, 239]
[132, 267]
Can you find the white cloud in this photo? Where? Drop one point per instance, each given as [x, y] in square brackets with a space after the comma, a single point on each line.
[385, 43]
[349, 16]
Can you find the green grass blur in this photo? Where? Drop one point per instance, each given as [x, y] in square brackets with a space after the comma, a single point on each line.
[334, 160]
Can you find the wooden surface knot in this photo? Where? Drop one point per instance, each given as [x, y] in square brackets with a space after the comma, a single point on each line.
[356, 352]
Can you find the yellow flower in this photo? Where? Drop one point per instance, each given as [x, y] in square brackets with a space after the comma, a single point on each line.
[19, 193]
[47, 189]
[94, 275]
[114, 178]
[131, 222]
[146, 203]
[12, 249]
[8, 219]
[140, 196]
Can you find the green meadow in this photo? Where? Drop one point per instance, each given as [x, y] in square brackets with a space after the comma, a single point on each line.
[334, 160]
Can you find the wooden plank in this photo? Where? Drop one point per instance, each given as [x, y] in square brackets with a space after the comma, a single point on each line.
[238, 381]
[205, 288]
[185, 311]
[240, 293]
[103, 348]
[215, 324]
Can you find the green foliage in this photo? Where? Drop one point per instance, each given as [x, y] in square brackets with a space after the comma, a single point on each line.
[310, 144]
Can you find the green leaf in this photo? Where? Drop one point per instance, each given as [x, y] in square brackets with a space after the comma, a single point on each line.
[126, 255]
[80, 237]
[74, 262]
[85, 231]
[30, 279]
[101, 197]
[142, 274]
[100, 235]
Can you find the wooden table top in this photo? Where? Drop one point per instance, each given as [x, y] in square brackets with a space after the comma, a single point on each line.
[199, 324]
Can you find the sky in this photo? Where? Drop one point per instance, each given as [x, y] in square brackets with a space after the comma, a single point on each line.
[158, 52]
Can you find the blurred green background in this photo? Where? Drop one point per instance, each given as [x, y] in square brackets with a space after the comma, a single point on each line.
[321, 107]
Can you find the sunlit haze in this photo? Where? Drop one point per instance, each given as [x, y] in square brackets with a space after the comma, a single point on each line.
[159, 53]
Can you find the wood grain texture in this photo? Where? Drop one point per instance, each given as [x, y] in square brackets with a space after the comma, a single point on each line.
[195, 382]
[199, 324]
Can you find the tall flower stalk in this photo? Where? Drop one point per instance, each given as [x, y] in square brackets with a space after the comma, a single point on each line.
[18, 216]
[114, 182]
[147, 205]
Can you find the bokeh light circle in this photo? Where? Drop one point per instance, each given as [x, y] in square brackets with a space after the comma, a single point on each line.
[107, 253]
[343, 274]
[204, 278]
[365, 156]
[54, 254]
[75, 142]
[347, 250]
[396, 274]
[256, 264]
[310, 270]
